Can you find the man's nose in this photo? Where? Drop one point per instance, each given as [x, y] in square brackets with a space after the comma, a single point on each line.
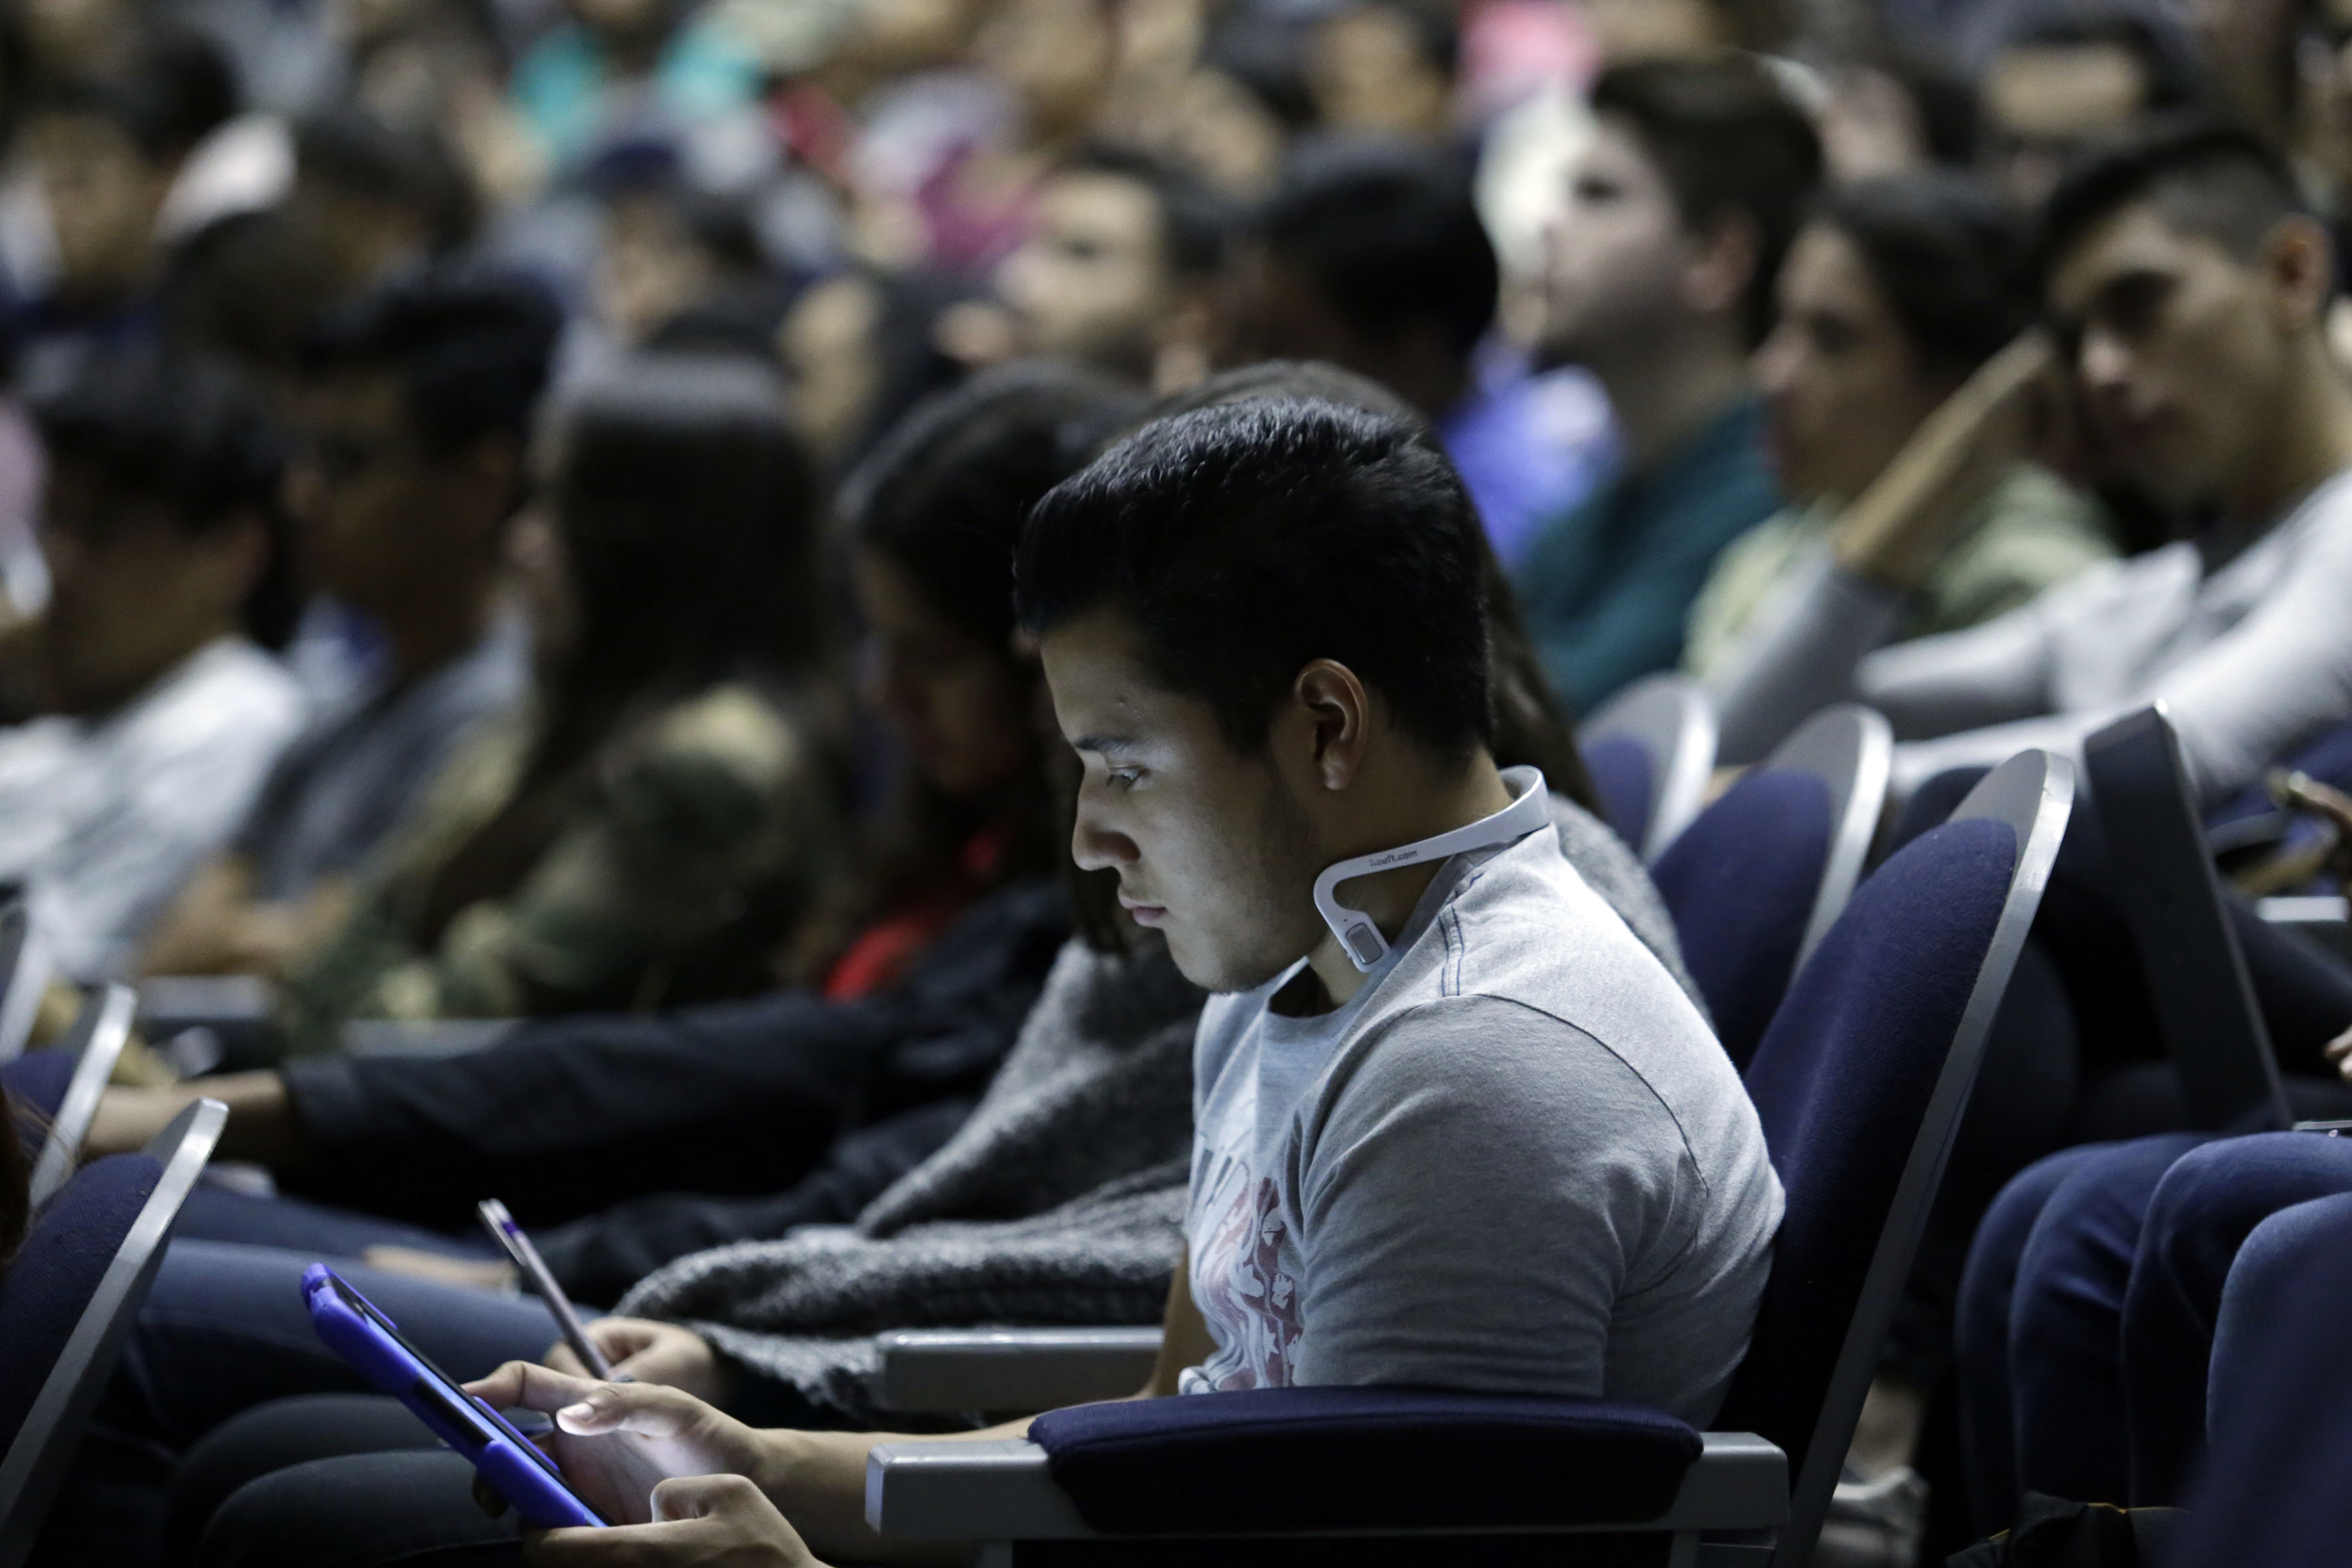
[1097, 848]
[2103, 363]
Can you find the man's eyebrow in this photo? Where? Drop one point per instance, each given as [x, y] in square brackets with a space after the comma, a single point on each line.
[1102, 743]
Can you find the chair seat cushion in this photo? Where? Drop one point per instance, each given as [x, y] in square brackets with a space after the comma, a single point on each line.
[1390, 1458]
[51, 1279]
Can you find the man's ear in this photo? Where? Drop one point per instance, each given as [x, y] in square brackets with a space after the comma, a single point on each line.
[2300, 262]
[1722, 261]
[1182, 341]
[1337, 713]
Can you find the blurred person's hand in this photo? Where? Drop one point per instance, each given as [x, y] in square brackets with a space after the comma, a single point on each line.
[1897, 529]
[2339, 1051]
[649, 1351]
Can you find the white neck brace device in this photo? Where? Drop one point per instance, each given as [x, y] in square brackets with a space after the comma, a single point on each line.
[1362, 940]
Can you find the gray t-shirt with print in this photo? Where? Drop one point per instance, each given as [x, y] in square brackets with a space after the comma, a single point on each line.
[1515, 1160]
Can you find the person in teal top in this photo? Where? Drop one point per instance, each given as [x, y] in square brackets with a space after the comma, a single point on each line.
[574, 80]
[1660, 283]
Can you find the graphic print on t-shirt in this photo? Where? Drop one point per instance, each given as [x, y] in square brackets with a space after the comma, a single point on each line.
[1248, 1299]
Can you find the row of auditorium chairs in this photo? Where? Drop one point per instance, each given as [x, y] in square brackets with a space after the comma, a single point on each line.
[1857, 1011]
[98, 1231]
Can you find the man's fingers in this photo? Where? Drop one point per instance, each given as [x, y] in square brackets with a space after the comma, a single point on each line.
[691, 1497]
[530, 1386]
[646, 1409]
[559, 1358]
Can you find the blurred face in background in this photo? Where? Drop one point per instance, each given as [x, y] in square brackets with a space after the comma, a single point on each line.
[1091, 282]
[648, 269]
[1843, 387]
[1615, 256]
[2183, 352]
[2043, 103]
[1057, 57]
[132, 592]
[384, 521]
[1368, 70]
[959, 706]
[825, 344]
[103, 196]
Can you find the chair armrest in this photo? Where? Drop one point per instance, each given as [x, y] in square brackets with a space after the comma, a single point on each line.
[170, 1003]
[940, 1370]
[425, 1038]
[2325, 921]
[1001, 1489]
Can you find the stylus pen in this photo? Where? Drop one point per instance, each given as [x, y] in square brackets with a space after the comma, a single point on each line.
[501, 1225]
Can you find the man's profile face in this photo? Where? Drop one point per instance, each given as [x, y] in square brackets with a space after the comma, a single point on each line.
[1090, 282]
[366, 496]
[2179, 347]
[1615, 253]
[1210, 848]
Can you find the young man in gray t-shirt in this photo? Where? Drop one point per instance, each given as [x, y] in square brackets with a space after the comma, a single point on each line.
[1457, 1128]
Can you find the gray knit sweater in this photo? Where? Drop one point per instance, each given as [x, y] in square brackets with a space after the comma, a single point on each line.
[1060, 1202]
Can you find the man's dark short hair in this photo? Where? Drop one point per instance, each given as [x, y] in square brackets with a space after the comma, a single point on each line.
[1728, 141]
[358, 156]
[1195, 223]
[2207, 177]
[1245, 540]
[472, 349]
[1945, 254]
[1387, 233]
[176, 90]
[188, 436]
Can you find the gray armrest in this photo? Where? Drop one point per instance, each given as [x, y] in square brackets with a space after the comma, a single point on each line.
[170, 1003]
[1001, 1490]
[937, 1370]
[2325, 921]
[428, 1037]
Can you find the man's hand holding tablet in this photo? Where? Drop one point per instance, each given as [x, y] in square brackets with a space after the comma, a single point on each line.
[697, 1479]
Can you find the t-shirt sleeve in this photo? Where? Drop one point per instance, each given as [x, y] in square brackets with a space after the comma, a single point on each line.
[1478, 1191]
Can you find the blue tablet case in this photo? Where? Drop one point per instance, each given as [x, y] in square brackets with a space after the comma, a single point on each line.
[356, 1331]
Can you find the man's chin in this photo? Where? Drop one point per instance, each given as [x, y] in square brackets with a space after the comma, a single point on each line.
[1218, 970]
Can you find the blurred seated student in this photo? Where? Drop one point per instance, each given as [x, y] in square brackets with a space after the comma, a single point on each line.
[1370, 254]
[2060, 85]
[916, 968]
[676, 264]
[1660, 283]
[1117, 271]
[414, 418]
[860, 349]
[2187, 289]
[1893, 298]
[1204, 644]
[163, 537]
[105, 151]
[667, 808]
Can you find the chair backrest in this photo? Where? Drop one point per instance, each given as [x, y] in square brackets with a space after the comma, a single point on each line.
[24, 974]
[69, 1297]
[1860, 1083]
[1759, 877]
[98, 1034]
[1651, 753]
[2163, 872]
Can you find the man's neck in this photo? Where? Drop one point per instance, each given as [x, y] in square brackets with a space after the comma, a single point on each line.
[1662, 398]
[1389, 896]
[2310, 439]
